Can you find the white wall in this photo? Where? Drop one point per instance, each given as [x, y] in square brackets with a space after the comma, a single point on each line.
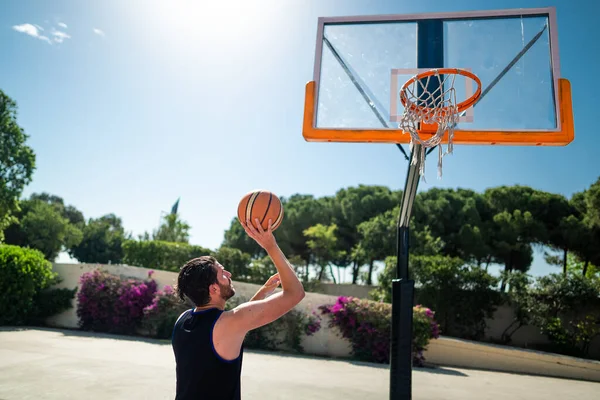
[326, 342]
[323, 342]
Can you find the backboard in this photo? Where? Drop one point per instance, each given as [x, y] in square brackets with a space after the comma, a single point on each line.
[362, 62]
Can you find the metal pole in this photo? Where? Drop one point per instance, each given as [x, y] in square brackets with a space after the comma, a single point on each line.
[403, 289]
[430, 54]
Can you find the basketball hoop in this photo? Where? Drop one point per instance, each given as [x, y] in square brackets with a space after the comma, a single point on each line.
[434, 104]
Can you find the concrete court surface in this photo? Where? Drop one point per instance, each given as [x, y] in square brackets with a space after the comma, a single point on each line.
[64, 364]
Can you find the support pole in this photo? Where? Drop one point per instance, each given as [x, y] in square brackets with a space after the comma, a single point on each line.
[430, 54]
[403, 290]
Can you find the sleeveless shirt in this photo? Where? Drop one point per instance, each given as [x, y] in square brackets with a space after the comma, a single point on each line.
[201, 373]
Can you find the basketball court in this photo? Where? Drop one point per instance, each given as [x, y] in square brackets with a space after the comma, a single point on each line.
[485, 78]
[62, 364]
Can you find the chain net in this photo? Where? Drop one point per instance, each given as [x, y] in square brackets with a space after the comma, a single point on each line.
[438, 106]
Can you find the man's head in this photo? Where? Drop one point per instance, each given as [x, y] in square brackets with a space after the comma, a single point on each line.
[203, 280]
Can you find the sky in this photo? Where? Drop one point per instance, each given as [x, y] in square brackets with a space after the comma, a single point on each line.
[132, 105]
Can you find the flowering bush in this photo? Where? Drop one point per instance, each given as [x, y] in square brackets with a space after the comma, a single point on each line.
[160, 316]
[313, 324]
[367, 325]
[107, 303]
[424, 329]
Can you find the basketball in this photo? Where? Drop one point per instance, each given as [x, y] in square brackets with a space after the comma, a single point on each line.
[263, 205]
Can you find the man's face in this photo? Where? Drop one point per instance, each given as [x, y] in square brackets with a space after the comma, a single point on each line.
[226, 290]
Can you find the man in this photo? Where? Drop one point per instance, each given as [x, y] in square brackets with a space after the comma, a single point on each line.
[208, 341]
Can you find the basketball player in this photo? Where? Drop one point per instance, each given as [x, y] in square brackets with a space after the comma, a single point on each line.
[208, 341]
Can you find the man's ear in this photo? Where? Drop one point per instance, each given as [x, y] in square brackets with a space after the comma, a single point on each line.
[212, 289]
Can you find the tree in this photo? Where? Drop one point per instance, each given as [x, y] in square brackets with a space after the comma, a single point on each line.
[583, 227]
[71, 213]
[377, 238]
[322, 242]
[235, 261]
[301, 212]
[41, 226]
[17, 162]
[353, 206]
[172, 229]
[102, 241]
[516, 224]
[45, 223]
[459, 218]
[237, 238]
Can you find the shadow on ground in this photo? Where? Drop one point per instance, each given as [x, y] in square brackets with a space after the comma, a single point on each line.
[166, 342]
[87, 334]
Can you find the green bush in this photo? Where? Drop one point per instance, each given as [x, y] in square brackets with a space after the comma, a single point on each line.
[567, 311]
[24, 274]
[49, 302]
[156, 254]
[462, 295]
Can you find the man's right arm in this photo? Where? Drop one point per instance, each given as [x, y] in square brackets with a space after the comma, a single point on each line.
[254, 314]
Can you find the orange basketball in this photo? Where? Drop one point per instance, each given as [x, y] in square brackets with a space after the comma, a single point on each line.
[263, 205]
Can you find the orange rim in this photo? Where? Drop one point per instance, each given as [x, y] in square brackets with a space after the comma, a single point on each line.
[442, 71]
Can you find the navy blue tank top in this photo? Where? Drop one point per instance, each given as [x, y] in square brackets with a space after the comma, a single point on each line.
[201, 372]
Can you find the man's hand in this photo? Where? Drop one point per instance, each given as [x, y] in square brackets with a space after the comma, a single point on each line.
[265, 239]
[268, 288]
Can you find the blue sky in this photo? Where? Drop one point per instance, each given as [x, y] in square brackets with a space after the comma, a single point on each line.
[133, 104]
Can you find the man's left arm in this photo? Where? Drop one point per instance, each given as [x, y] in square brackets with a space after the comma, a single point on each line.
[267, 289]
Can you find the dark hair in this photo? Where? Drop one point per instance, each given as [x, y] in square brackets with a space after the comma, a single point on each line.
[194, 279]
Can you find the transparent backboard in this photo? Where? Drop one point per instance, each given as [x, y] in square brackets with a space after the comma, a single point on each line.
[361, 64]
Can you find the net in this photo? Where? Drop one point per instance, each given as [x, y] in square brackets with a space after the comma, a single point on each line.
[430, 98]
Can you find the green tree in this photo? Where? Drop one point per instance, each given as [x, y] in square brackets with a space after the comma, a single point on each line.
[41, 226]
[235, 261]
[17, 162]
[102, 241]
[301, 212]
[69, 212]
[460, 218]
[237, 238]
[587, 206]
[322, 242]
[377, 238]
[517, 223]
[172, 229]
[353, 206]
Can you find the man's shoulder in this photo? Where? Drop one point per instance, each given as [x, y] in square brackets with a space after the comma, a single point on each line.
[183, 315]
[185, 312]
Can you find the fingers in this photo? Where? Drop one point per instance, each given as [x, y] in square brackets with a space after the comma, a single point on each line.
[249, 227]
[252, 228]
[273, 283]
[259, 226]
[274, 280]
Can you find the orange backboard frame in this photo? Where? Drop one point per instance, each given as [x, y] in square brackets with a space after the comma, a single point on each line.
[560, 137]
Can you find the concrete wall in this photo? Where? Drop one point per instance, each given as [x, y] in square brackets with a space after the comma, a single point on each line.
[327, 342]
[467, 354]
[324, 342]
[360, 291]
